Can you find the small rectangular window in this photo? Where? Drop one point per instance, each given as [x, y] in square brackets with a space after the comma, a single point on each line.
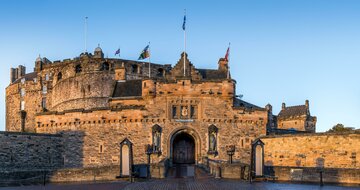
[22, 92]
[174, 110]
[43, 103]
[22, 80]
[192, 112]
[47, 77]
[22, 106]
[44, 89]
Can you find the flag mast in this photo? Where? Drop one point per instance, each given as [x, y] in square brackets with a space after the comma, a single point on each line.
[149, 62]
[85, 30]
[228, 70]
[184, 39]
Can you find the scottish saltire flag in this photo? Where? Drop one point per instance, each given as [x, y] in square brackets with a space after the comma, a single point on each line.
[145, 53]
[183, 26]
[117, 52]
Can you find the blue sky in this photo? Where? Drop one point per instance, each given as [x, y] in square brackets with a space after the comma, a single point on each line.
[281, 50]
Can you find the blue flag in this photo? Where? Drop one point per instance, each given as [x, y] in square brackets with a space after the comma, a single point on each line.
[183, 26]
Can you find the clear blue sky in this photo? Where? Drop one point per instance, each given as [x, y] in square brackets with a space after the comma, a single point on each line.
[281, 50]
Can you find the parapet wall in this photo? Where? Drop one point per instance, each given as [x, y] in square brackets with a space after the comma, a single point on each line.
[313, 150]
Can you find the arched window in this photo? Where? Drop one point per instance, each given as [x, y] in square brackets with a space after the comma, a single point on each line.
[134, 68]
[105, 66]
[59, 76]
[156, 133]
[160, 72]
[78, 69]
[213, 131]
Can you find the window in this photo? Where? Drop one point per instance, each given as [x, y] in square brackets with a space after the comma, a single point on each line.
[23, 81]
[44, 89]
[22, 106]
[105, 66]
[134, 68]
[192, 112]
[160, 72]
[43, 103]
[35, 80]
[174, 110]
[59, 76]
[101, 147]
[22, 92]
[47, 77]
[242, 143]
[78, 69]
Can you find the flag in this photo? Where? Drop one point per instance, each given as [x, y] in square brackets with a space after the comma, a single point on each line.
[145, 53]
[117, 52]
[227, 54]
[183, 26]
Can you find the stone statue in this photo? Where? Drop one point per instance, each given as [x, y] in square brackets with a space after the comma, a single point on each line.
[212, 138]
[157, 140]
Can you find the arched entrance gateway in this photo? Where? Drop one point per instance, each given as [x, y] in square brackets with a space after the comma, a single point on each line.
[183, 149]
[184, 146]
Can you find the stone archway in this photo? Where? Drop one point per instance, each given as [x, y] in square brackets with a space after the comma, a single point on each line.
[185, 143]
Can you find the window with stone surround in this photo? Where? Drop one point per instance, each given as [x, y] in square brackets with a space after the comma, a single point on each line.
[44, 89]
[59, 76]
[22, 106]
[47, 77]
[22, 92]
[43, 103]
[174, 112]
[23, 81]
[101, 147]
[78, 69]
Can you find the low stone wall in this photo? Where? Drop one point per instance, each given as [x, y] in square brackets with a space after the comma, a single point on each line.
[160, 169]
[329, 150]
[223, 169]
[61, 175]
[312, 174]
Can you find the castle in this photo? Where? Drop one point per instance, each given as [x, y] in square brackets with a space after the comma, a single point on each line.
[100, 111]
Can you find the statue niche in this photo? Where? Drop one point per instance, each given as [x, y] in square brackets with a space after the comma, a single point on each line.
[213, 130]
[156, 133]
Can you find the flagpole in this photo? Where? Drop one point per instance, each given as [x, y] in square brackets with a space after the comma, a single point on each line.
[149, 62]
[85, 34]
[184, 40]
[228, 70]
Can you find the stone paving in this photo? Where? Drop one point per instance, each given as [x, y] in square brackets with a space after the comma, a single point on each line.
[178, 180]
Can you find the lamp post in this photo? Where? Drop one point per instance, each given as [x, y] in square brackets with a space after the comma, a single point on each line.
[230, 150]
[148, 152]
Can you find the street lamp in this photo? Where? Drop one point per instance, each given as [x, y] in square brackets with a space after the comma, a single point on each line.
[230, 150]
[148, 152]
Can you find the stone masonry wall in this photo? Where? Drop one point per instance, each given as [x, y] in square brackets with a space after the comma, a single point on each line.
[313, 150]
[30, 151]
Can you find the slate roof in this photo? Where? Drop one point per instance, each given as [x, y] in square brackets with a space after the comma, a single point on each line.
[293, 111]
[212, 74]
[128, 88]
[238, 103]
[28, 77]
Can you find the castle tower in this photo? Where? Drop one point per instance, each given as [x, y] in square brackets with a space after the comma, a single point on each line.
[98, 53]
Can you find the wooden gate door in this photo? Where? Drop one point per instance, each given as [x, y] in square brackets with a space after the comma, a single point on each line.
[184, 150]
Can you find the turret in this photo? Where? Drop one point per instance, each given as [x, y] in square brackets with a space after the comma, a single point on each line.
[223, 64]
[120, 72]
[98, 53]
[16, 73]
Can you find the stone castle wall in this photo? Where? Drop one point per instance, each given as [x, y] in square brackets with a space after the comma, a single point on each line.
[313, 150]
[30, 151]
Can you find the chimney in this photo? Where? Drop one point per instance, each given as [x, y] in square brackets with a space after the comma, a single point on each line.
[307, 104]
[283, 106]
[13, 74]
